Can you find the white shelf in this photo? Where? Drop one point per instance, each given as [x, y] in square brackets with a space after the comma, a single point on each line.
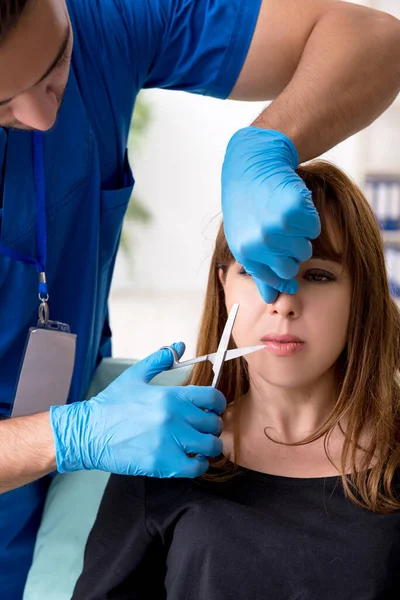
[391, 237]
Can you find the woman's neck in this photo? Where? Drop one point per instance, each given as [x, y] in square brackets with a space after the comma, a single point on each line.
[289, 414]
[268, 414]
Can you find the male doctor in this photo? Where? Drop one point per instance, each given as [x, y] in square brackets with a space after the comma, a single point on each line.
[70, 71]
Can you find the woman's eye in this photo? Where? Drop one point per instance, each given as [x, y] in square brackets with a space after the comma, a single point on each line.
[319, 276]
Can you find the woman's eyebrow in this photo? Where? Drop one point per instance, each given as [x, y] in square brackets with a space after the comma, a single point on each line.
[54, 64]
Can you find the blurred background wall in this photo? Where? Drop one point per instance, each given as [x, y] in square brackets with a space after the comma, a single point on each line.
[176, 152]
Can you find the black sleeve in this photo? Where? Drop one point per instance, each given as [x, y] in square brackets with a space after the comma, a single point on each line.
[122, 560]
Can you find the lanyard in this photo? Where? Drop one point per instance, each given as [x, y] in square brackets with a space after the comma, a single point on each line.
[41, 233]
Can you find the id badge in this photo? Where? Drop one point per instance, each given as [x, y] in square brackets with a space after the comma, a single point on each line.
[46, 369]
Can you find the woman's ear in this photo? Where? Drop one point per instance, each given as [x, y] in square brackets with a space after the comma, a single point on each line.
[222, 277]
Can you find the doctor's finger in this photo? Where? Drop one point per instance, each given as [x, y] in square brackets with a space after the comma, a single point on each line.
[204, 422]
[263, 272]
[193, 442]
[282, 244]
[193, 467]
[204, 397]
[282, 266]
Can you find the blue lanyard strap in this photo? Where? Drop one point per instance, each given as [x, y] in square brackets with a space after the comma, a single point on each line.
[41, 232]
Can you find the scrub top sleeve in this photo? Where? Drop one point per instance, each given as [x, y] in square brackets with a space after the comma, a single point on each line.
[122, 559]
[197, 46]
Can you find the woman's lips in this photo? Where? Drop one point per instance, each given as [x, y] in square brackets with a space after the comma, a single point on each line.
[282, 345]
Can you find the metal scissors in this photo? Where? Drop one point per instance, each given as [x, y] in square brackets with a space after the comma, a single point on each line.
[222, 354]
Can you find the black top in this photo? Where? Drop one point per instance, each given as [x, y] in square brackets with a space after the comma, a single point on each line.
[254, 537]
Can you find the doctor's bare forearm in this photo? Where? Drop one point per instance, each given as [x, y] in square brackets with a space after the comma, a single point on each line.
[26, 450]
[337, 69]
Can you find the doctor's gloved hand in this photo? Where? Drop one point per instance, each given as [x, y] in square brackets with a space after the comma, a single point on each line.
[269, 216]
[133, 428]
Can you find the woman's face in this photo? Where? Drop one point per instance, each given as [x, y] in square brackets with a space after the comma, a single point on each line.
[304, 333]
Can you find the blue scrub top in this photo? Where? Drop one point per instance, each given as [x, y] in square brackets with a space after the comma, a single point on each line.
[120, 47]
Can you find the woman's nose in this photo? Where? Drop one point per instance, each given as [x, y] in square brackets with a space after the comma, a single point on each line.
[36, 109]
[285, 305]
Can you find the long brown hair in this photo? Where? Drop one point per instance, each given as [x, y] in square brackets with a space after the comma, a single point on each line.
[368, 392]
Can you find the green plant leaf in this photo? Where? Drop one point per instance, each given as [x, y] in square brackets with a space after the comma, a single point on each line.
[136, 211]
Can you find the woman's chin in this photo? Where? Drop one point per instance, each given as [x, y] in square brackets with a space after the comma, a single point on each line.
[290, 383]
[285, 378]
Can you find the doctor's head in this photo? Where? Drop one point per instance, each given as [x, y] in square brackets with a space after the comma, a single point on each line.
[35, 51]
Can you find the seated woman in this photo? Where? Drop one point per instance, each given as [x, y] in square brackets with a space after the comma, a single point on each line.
[304, 503]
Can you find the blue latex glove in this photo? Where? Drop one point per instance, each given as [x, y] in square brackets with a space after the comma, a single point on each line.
[133, 428]
[269, 215]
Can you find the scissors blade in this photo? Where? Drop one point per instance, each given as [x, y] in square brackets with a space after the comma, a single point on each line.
[237, 352]
[223, 345]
